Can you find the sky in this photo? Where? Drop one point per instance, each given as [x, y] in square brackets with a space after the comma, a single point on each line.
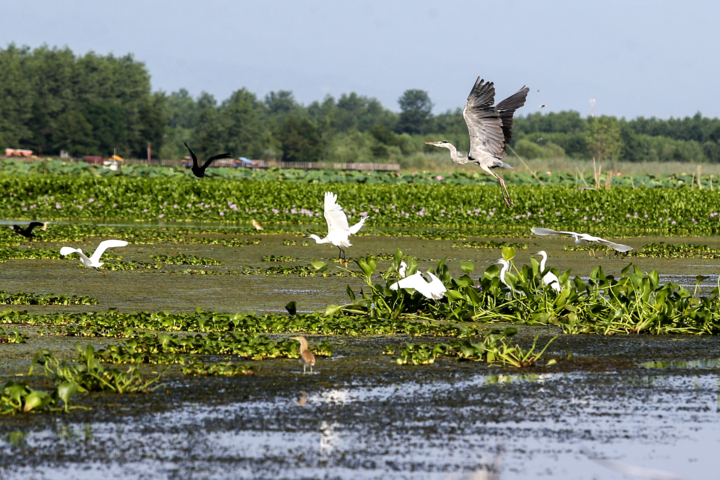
[635, 58]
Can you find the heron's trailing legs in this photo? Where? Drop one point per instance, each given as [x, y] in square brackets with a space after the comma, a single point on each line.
[341, 254]
[503, 188]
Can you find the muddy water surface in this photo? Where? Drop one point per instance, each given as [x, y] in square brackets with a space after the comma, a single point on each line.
[615, 404]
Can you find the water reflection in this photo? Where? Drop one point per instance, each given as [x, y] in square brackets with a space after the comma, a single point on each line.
[703, 363]
[329, 437]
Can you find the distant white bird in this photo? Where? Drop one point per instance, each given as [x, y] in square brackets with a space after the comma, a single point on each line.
[549, 279]
[581, 238]
[434, 290]
[94, 261]
[338, 229]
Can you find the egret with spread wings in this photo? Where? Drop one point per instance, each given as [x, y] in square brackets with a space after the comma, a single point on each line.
[489, 128]
[435, 290]
[338, 229]
[581, 238]
[94, 261]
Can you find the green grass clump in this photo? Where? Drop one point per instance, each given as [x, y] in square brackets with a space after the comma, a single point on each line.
[278, 258]
[217, 369]
[182, 259]
[22, 298]
[489, 244]
[493, 348]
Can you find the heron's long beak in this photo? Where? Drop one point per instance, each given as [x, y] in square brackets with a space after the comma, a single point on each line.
[431, 143]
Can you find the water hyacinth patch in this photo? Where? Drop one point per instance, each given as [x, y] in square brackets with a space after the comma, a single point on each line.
[443, 204]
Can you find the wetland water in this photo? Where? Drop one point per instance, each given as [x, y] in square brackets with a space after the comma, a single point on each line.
[638, 401]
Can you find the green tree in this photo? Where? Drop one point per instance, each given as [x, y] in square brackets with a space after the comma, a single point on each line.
[604, 138]
[74, 134]
[300, 140]
[415, 112]
[244, 131]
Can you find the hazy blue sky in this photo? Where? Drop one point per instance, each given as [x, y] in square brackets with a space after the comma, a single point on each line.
[649, 58]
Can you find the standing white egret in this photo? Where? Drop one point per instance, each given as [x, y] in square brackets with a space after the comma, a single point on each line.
[338, 229]
[489, 128]
[505, 266]
[402, 269]
[435, 290]
[549, 279]
[94, 261]
[581, 238]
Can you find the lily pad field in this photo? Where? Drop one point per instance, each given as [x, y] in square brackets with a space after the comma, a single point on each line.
[175, 358]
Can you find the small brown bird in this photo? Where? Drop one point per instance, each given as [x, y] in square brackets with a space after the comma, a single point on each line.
[257, 225]
[306, 356]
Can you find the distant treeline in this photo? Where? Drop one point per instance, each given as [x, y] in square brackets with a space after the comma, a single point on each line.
[53, 100]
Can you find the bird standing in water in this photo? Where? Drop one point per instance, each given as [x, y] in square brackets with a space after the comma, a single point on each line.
[199, 171]
[306, 356]
[27, 232]
[549, 279]
[257, 225]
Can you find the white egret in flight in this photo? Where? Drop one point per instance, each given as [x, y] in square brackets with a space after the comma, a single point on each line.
[338, 229]
[581, 238]
[435, 290]
[94, 261]
[549, 279]
[489, 128]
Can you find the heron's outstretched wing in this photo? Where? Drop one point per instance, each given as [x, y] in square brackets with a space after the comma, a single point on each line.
[104, 246]
[615, 246]
[212, 159]
[334, 215]
[506, 110]
[192, 154]
[483, 121]
[356, 228]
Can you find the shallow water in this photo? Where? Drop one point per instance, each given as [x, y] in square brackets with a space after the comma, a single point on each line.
[639, 401]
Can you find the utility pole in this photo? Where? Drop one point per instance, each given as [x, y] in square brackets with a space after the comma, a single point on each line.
[149, 153]
[592, 107]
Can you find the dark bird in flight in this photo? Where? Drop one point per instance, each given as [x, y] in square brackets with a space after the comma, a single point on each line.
[199, 171]
[27, 232]
[489, 128]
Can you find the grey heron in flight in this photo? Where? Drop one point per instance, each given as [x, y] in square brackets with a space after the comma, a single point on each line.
[581, 238]
[489, 128]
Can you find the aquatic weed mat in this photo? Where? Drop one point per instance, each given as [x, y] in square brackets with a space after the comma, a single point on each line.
[660, 210]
